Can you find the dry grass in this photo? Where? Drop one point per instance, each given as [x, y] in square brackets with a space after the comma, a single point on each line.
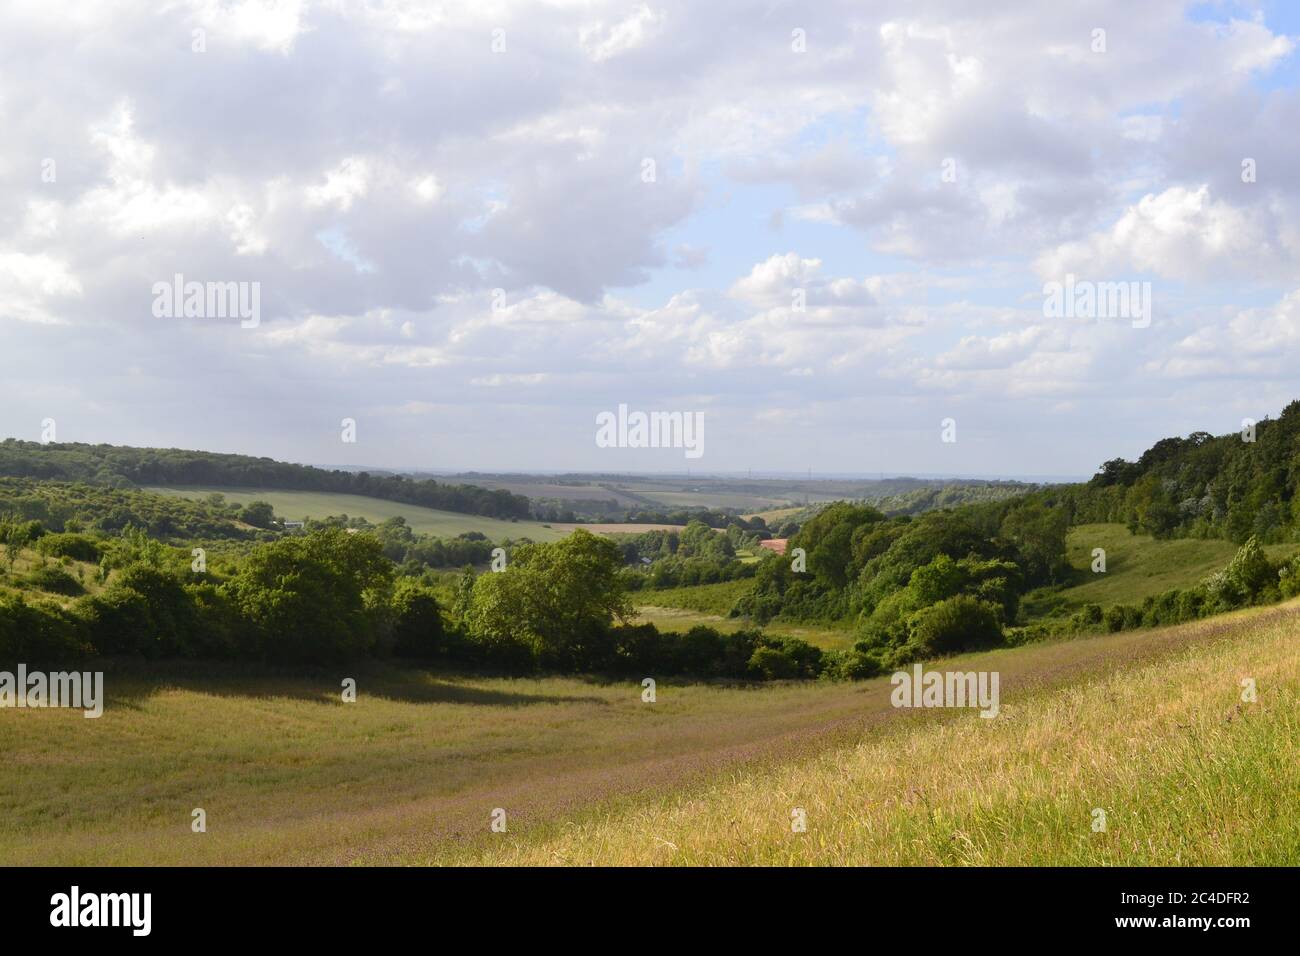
[1186, 773]
[587, 772]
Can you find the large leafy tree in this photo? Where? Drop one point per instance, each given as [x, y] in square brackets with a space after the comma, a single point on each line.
[556, 599]
[318, 597]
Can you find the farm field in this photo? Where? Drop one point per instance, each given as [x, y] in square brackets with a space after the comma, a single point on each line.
[1136, 566]
[296, 505]
[587, 772]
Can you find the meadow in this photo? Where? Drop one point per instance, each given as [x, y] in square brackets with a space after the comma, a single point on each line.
[1158, 763]
[1146, 724]
[1137, 566]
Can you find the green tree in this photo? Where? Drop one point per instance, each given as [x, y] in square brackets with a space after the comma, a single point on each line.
[557, 599]
[259, 514]
[318, 597]
[1038, 532]
[417, 621]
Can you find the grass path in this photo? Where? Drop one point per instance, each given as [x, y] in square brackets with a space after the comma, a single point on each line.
[287, 773]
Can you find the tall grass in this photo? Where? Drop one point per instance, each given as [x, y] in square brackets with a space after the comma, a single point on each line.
[1185, 771]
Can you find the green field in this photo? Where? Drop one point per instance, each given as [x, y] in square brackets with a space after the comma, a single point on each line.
[297, 505]
[680, 609]
[1137, 566]
[706, 598]
[1145, 724]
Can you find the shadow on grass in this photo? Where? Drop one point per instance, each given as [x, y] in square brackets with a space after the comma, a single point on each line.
[129, 683]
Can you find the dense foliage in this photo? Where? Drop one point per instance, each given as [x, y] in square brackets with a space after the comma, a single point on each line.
[331, 595]
[1203, 486]
[124, 467]
[77, 506]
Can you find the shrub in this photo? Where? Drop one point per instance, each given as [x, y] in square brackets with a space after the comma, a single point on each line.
[41, 635]
[1251, 571]
[769, 663]
[315, 598]
[146, 611]
[859, 663]
[957, 624]
[1113, 618]
[53, 579]
[79, 547]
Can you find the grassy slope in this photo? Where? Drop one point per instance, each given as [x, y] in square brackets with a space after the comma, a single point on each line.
[1186, 773]
[1136, 566]
[411, 772]
[296, 505]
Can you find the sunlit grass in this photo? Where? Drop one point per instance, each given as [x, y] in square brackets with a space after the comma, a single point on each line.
[1186, 772]
[587, 771]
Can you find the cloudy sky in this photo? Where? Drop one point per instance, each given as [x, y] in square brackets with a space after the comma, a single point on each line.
[475, 226]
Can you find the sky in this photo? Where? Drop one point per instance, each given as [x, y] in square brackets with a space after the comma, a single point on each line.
[829, 232]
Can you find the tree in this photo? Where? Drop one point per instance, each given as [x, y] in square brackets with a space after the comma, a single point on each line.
[259, 514]
[316, 598]
[557, 599]
[1038, 532]
[417, 621]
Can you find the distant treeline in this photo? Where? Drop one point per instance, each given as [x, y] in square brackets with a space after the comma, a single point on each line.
[120, 466]
[78, 506]
[1232, 486]
[921, 500]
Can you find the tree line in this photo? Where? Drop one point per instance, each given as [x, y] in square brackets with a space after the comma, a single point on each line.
[125, 467]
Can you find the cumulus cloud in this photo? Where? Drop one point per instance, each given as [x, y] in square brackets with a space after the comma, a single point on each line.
[479, 222]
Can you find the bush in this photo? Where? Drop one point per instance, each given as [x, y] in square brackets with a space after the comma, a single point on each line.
[1251, 571]
[41, 635]
[1088, 616]
[53, 579]
[859, 663]
[959, 623]
[768, 663]
[79, 547]
[315, 598]
[145, 612]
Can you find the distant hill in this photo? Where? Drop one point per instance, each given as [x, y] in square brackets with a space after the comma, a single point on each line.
[1203, 486]
[120, 466]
